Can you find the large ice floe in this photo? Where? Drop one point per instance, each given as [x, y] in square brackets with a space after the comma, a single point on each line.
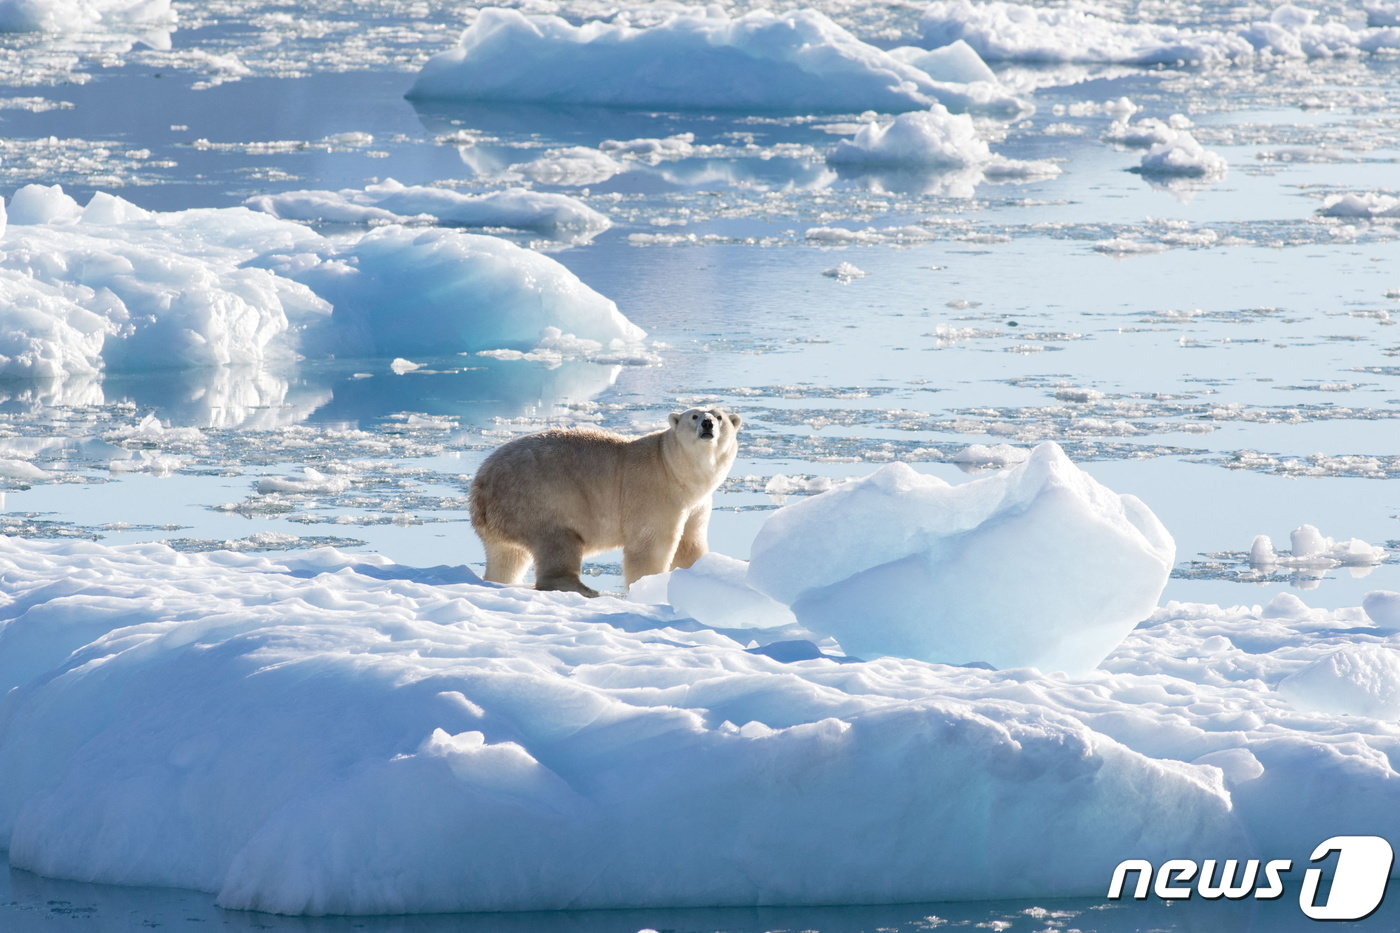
[110, 286]
[75, 15]
[1038, 565]
[698, 58]
[1080, 32]
[339, 734]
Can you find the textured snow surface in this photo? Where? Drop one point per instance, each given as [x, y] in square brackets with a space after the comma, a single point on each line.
[111, 286]
[341, 734]
[1079, 32]
[698, 58]
[75, 15]
[1038, 565]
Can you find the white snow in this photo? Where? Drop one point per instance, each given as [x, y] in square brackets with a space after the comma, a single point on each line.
[1358, 680]
[1036, 566]
[82, 15]
[392, 202]
[1080, 32]
[338, 734]
[113, 287]
[1361, 206]
[1180, 155]
[714, 592]
[696, 58]
[932, 138]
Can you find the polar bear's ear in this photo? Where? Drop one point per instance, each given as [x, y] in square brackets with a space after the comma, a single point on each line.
[735, 420]
[675, 418]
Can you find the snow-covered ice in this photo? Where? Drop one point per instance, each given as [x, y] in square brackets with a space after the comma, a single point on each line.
[113, 287]
[1366, 206]
[392, 202]
[1035, 566]
[78, 15]
[932, 138]
[1180, 155]
[698, 58]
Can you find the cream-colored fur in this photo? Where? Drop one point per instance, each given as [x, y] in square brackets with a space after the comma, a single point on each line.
[558, 496]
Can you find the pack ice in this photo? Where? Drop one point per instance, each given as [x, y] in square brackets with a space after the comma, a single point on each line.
[1038, 565]
[697, 58]
[110, 286]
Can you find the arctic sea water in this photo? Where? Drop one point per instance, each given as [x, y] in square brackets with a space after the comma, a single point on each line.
[1216, 343]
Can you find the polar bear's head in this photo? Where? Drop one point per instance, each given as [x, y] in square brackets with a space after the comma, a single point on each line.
[706, 426]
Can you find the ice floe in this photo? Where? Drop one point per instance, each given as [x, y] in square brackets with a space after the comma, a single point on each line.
[390, 201]
[696, 58]
[932, 138]
[112, 287]
[1361, 206]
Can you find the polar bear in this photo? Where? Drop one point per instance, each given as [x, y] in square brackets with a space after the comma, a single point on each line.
[557, 496]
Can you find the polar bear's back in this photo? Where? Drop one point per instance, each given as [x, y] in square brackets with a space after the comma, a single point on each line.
[554, 479]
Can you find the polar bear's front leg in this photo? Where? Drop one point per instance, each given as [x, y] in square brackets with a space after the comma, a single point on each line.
[694, 539]
[649, 551]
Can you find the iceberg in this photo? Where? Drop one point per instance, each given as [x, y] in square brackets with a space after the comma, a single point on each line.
[1035, 566]
[109, 287]
[337, 734]
[698, 58]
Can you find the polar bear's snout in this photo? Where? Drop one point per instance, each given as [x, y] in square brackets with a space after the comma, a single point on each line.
[707, 427]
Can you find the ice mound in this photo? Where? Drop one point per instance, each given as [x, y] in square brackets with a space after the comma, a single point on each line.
[713, 591]
[112, 287]
[957, 62]
[337, 736]
[1078, 32]
[392, 202]
[698, 58]
[1179, 155]
[1311, 549]
[1358, 680]
[79, 15]
[930, 138]
[1036, 566]
[1361, 206]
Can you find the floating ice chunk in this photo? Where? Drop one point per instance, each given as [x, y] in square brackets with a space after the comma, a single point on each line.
[698, 58]
[310, 481]
[1180, 155]
[1357, 680]
[652, 150]
[392, 202]
[1262, 553]
[1361, 206]
[556, 347]
[978, 456]
[714, 592]
[78, 15]
[1311, 549]
[845, 273]
[931, 138]
[957, 62]
[1038, 565]
[114, 287]
[577, 165]
[1146, 132]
